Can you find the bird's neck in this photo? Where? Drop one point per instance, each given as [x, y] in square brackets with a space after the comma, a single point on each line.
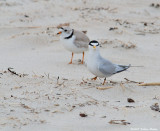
[70, 36]
[94, 53]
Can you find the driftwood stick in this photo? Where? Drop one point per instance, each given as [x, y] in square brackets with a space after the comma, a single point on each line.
[150, 84]
[121, 122]
[104, 88]
[123, 87]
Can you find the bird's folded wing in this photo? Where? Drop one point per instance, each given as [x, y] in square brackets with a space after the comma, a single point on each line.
[106, 67]
[81, 39]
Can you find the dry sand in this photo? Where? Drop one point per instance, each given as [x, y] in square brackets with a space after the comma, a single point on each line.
[129, 31]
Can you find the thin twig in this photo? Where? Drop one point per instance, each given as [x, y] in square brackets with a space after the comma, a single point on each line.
[113, 82]
[47, 75]
[123, 87]
[84, 80]
[58, 85]
[13, 72]
[132, 81]
[58, 80]
[104, 88]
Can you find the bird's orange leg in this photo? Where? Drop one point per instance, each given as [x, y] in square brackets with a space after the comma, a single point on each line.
[82, 58]
[95, 78]
[71, 58]
[104, 81]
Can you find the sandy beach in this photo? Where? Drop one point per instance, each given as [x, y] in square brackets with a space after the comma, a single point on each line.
[40, 91]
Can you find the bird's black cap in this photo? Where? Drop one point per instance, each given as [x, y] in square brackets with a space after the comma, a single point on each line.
[93, 41]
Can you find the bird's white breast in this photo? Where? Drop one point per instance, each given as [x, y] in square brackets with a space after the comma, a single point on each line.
[93, 65]
[70, 46]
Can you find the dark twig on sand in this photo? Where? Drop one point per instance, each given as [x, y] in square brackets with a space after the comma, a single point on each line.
[58, 80]
[132, 81]
[14, 73]
[1, 74]
[155, 107]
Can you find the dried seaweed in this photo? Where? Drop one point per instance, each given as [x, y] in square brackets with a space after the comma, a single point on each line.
[130, 100]
[118, 43]
[130, 106]
[83, 115]
[155, 5]
[155, 107]
[64, 24]
[25, 106]
[113, 28]
[121, 122]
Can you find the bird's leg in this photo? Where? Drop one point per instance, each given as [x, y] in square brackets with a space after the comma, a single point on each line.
[71, 58]
[94, 78]
[82, 58]
[104, 81]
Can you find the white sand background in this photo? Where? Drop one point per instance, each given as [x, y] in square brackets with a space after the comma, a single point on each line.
[37, 102]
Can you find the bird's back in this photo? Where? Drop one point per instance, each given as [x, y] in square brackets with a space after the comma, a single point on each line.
[81, 39]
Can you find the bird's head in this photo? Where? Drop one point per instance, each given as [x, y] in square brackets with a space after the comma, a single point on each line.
[65, 31]
[94, 45]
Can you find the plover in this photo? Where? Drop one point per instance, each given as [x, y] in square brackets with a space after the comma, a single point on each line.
[74, 41]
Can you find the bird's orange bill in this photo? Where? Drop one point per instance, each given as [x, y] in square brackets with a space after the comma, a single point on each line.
[94, 47]
[59, 33]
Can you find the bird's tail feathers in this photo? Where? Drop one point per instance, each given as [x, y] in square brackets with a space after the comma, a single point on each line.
[121, 68]
[136, 66]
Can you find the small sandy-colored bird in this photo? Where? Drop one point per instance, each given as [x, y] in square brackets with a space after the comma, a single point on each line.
[74, 41]
[99, 66]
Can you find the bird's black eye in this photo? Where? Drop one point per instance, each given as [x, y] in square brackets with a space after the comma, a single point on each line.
[65, 30]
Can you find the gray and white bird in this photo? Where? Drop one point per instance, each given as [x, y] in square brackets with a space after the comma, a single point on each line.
[74, 41]
[99, 66]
